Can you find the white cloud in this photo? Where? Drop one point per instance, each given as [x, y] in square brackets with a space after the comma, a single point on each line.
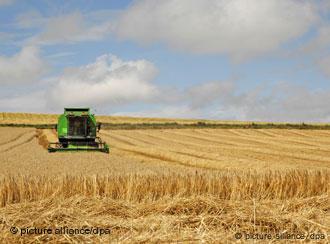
[318, 49]
[107, 87]
[203, 95]
[61, 55]
[194, 102]
[324, 64]
[6, 37]
[6, 2]
[108, 82]
[166, 111]
[23, 67]
[319, 42]
[240, 28]
[30, 19]
[324, 6]
[285, 103]
[31, 102]
[69, 28]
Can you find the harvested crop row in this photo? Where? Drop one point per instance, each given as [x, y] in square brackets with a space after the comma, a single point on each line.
[33, 158]
[11, 134]
[17, 141]
[219, 148]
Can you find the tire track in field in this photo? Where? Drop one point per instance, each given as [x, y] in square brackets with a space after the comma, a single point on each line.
[136, 138]
[190, 160]
[176, 152]
[194, 155]
[26, 138]
[139, 140]
[270, 146]
[269, 155]
[116, 138]
[290, 133]
[162, 142]
[201, 139]
[221, 141]
[284, 135]
[263, 133]
[252, 153]
[164, 152]
[242, 132]
[299, 134]
[169, 144]
[189, 148]
[164, 159]
[165, 140]
[121, 139]
[156, 139]
[247, 140]
[285, 149]
[277, 141]
[257, 132]
[236, 141]
[187, 144]
[136, 150]
[235, 132]
[269, 133]
[324, 134]
[15, 146]
[234, 148]
[15, 138]
[149, 155]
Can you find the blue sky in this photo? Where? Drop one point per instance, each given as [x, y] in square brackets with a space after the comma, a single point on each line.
[232, 60]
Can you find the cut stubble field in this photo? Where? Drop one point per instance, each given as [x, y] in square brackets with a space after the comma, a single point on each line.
[168, 185]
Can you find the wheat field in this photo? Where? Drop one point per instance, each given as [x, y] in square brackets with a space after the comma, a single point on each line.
[174, 185]
[39, 119]
[34, 118]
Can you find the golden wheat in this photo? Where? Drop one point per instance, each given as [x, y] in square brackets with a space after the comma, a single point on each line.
[167, 185]
[189, 208]
[34, 118]
[142, 188]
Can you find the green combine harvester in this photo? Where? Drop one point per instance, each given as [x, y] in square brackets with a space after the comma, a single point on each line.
[76, 131]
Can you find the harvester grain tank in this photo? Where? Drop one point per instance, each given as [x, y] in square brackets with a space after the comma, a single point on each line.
[76, 131]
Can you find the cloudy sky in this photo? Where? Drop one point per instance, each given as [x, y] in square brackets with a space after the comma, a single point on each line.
[218, 59]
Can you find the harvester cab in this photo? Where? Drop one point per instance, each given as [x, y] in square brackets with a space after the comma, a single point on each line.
[76, 131]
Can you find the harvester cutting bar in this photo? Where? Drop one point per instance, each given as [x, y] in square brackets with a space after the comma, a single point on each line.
[98, 145]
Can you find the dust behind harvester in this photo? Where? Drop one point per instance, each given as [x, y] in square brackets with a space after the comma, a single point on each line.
[76, 131]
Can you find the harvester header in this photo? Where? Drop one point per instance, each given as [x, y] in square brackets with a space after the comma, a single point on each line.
[76, 131]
